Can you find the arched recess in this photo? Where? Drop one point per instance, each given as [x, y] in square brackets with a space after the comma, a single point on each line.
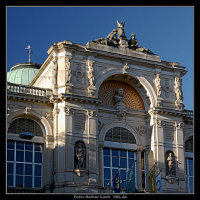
[47, 130]
[142, 80]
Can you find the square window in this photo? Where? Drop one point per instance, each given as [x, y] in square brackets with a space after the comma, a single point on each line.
[123, 154]
[20, 156]
[20, 168]
[10, 145]
[106, 152]
[20, 145]
[37, 182]
[123, 162]
[10, 180]
[115, 162]
[28, 169]
[9, 168]
[38, 147]
[107, 183]
[106, 161]
[19, 181]
[130, 163]
[130, 154]
[29, 146]
[107, 174]
[28, 181]
[10, 155]
[115, 153]
[37, 170]
[38, 157]
[28, 156]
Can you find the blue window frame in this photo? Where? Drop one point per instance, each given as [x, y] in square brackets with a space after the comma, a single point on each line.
[112, 160]
[24, 164]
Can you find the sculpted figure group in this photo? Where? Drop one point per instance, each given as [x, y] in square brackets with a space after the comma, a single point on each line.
[116, 37]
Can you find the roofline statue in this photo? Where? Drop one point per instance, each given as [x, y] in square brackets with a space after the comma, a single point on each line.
[117, 38]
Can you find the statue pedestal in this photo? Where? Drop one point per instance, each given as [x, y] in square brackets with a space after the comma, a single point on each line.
[123, 42]
[80, 172]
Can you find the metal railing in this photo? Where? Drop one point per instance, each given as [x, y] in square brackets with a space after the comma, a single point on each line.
[30, 90]
[189, 113]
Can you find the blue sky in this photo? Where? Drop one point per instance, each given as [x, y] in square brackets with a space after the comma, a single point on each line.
[166, 31]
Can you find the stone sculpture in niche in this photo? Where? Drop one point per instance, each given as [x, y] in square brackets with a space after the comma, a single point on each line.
[170, 164]
[79, 156]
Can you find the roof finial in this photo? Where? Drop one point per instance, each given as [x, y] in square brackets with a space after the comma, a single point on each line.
[29, 52]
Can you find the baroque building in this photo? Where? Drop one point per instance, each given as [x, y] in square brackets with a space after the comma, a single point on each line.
[90, 110]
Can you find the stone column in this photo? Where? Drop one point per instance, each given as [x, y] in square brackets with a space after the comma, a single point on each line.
[180, 167]
[69, 147]
[93, 149]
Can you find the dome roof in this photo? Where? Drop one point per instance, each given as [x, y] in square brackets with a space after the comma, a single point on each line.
[23, 73]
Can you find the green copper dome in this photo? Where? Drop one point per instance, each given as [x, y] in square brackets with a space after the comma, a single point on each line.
[23, 73]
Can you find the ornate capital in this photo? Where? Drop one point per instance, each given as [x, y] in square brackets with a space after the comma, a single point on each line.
[92, 113]
[179, 125]
[159, 122]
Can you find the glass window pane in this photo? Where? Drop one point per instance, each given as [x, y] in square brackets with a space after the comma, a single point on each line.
[106, 161]
[28, 156]
[10, 145]
[28, 169]
[20, 156]
[123, 154]
[191, 184]
[10, 180]
[37, 182]
[28, 181]
[9, 168]
[130, 163]
[115, 161]
[114, 172]
[106, 152]
[123, 162]
[19, 181]
[37, 170]
[10, 155]
[38, 157]
[131, 154]
[190, 163]
[20, 168]
[122, 174]
[28, 146]
[20, 145]
[38, 147]
[123, 184]
[107, 174]
[107, 183]
[115, 153]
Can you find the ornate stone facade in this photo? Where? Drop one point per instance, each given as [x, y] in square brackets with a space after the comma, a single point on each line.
[108, 88]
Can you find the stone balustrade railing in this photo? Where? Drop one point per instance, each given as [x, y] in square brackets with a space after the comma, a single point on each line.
[24, 89]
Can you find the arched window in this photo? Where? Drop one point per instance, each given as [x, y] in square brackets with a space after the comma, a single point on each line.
[189, 145]
[119, 134]
[24, 154]
[119, 157]
[25, 125]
